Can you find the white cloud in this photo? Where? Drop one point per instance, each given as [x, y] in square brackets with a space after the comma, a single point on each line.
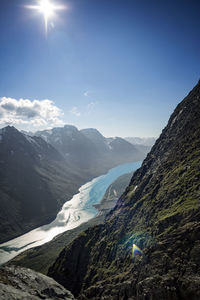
[75, 111]
[87, 110]
[87, 93]
[37, 113]
[91, 106]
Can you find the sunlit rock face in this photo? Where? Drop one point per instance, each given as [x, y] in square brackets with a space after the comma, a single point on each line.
[158, 213]
[21, 283]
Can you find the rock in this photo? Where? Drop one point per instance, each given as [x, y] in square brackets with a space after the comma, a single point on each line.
[21, 283]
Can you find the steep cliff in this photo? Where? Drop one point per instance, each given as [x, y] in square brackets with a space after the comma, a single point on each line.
[159, 213]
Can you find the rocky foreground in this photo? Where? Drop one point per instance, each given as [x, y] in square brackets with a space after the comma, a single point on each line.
[25, 284]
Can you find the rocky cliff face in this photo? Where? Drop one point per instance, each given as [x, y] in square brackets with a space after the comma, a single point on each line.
[159, 213]
[21, 283]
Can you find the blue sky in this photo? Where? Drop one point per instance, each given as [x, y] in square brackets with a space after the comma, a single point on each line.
[120, 66]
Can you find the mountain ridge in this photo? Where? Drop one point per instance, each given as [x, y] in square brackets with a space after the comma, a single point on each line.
[158, 212]
[89, 150]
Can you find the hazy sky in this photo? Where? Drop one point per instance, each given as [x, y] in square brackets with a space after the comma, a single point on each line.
[120, 66]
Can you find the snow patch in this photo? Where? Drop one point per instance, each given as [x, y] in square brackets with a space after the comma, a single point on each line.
[115, 193]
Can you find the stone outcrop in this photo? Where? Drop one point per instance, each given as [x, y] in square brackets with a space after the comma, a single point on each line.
[21, 283]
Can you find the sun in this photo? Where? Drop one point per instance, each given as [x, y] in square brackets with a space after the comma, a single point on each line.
[47, 8]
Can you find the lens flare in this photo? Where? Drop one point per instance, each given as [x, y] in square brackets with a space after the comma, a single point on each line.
[47, 9]
[136, 251]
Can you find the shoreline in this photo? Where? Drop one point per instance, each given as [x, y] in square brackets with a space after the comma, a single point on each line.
[79, 211]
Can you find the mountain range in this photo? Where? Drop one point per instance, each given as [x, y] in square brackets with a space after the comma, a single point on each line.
[39, 173]
[149, 245]
[89, 150]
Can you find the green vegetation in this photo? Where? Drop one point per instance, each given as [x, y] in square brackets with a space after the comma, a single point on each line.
[161, 216]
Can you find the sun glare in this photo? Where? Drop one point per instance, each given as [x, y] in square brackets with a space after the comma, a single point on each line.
[47, 8]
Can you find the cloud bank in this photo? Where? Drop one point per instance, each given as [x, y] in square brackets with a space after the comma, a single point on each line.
[37, 113]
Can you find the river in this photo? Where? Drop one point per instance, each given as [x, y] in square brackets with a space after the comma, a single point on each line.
[73, 213]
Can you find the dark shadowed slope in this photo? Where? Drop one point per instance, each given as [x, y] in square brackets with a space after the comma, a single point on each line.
[35, 181]
[159, 212]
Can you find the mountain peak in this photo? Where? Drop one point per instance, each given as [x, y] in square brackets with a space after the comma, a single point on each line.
[7, 129]
[92, 133]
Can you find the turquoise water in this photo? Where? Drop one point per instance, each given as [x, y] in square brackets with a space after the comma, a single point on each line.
[73, 213]
[100, 186]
